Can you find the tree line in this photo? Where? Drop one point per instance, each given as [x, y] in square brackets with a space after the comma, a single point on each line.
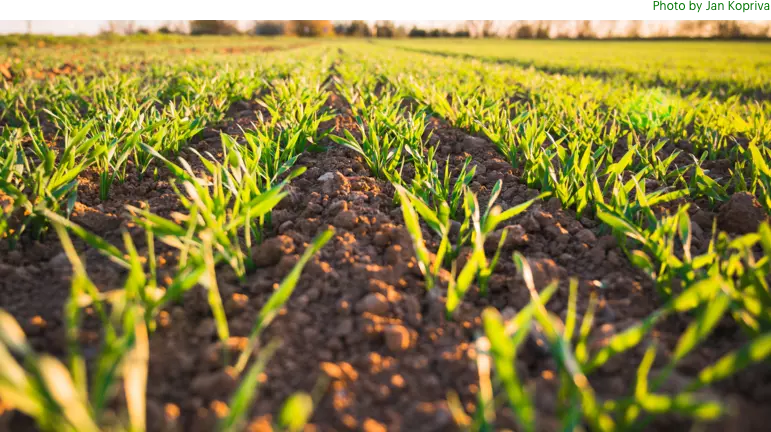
[544, 29]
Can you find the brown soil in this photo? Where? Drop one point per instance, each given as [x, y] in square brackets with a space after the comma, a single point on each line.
[360, 315]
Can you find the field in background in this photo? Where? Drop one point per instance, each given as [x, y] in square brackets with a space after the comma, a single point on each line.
[723, 68]
[219, 233]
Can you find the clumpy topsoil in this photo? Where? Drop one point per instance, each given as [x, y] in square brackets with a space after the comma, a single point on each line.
[360, 326]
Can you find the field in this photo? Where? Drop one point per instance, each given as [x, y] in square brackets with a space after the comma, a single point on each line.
[293, 234]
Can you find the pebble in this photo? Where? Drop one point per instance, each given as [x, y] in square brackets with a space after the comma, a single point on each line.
[397, 338]
[374, 303]
[326, 176]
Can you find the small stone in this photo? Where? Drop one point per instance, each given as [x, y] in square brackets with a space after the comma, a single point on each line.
[586, 236]
[326, 176]
[336, 185]
[346, 219]
[397, 338]
[374, 303]
[566, 257]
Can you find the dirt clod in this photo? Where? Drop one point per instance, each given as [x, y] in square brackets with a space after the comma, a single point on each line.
[586, 236]
[270, 251]
[742, 214]
[346, 219]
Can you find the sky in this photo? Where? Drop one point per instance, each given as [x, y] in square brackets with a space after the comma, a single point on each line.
[91, 25]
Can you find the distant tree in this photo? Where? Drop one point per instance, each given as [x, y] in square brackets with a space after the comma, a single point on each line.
[488, 29]
[692, 28]
[358, 29]
[270, 28]
[728, 30]
[213, 27]
[481, 28]
[634, 30]
[462, 33]
[524, 31]
[385, 29]
[312, 28]
[585, 30]
[543, 30]
[400, 32]
[417, 33]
